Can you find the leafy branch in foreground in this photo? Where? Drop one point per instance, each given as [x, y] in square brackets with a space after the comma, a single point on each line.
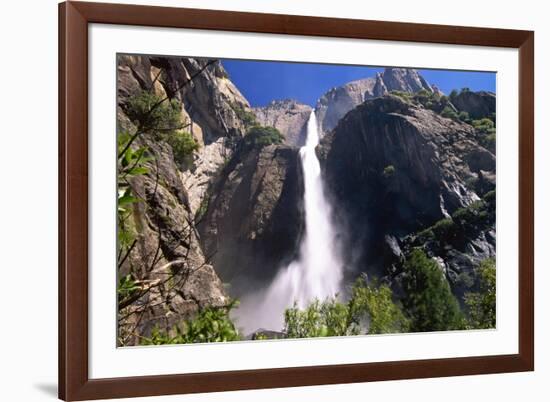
[211, 324]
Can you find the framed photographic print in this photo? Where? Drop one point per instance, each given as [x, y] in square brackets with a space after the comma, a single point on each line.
[259, 200]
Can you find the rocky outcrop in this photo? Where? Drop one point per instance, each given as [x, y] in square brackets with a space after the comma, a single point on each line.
[254, 217]
[288, 116]
[393, 168]
[459, 243]
[210, 108]
[166, 260]
[334, 105]
[404, 79]
[174, 277]
[477, 104]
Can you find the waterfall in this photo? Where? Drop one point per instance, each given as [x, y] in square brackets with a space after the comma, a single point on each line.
[318, 271]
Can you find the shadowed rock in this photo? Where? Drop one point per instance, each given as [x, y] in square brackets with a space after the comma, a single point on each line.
[392, 168]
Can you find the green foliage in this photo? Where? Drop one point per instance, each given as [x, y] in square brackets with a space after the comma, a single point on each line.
[369, 305]
[453, 94]
[183, 145]
[127, 286]
[463, 223]
[388, 171]
[246, 116]
[159, 337]
[150, 112]
[489, 141]
[490, 197]
[329, 318]
[428, 299]
[484, 126]
[162, 117]
[131, 163]
[487, 131]
[464, 116]
[375, 304]
[406, 96]
[429, 100]
[470, 214]
[211, 324]
[443, 227]
[449, 113]
[482, 304]
[262, 136]
[260, 337]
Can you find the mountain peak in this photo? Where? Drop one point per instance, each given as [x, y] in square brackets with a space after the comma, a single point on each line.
[404, 79]
[334, 104]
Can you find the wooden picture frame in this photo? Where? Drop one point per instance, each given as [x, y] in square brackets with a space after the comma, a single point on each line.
[74, 381]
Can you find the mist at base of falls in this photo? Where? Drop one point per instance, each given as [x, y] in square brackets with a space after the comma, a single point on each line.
[317, 273]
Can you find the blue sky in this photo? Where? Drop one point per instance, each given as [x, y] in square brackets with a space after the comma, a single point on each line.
[263, 81]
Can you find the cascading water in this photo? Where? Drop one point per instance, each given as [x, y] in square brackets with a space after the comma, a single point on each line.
[317, 273]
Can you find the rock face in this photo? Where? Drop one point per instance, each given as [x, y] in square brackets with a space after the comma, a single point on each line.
[167, 258]
[399, 176]
[255, 216]
[404, 79]
[289, 117]
[477, 104]
[210, 107]
[394, 168]
[334, 105]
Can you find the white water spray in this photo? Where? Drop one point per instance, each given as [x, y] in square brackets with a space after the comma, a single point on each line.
[318, 271]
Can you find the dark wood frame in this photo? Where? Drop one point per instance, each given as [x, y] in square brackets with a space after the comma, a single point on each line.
[74, 17]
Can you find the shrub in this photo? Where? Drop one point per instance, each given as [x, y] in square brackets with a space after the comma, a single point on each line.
[428, 299]
[484, 126]
[150, 112]
[490, 197]
[183, 145]
[370, 310]
[406, 96]
[375, 304]
[482, 305]
[388, 171]
[162, 116]
[211, 324]
[449, 113]
[443, 228]
[262, 136]
[490, 142]
[247, 117]
[471, 213]
[328, 318]
[464, 116]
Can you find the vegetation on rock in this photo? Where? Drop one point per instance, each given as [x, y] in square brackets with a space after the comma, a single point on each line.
[428, 299]
[398, 172]
[248, 117]
[481, 305]
[263, 136]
